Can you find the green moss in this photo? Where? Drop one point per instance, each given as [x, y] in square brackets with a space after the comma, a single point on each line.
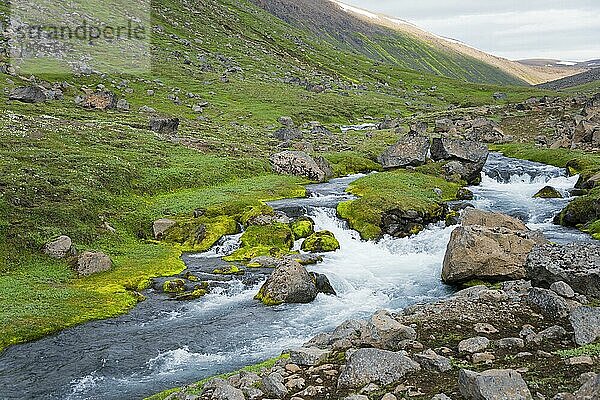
[266, 299]
[548, 192]
[230, 270]
[394, 190]
[302, 228]
[268, 240]
[200, 234]
[592, 349]
[349, 162]
[320, 242]
[193, 295]
[174, 286]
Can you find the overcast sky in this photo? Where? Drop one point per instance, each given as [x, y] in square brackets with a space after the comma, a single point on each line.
[515, 29]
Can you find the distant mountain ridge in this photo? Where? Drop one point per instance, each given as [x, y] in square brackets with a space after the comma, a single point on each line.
[395, 41]
[541, 62]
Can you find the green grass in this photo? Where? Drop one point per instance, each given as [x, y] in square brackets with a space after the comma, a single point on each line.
[592, 349]
[395, 190]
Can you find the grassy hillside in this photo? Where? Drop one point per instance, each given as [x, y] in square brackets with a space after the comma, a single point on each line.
[65, 170]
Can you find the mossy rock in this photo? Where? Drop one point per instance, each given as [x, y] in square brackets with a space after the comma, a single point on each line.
[321, 242]
[193, 295]
[229, 270]
[255, 211]
[302, 228]
[273, 240]
[174, 286]
[200, 234]
[548, 192]
[582, 212]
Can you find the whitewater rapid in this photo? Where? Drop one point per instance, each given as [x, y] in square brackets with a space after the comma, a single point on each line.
[162, 344]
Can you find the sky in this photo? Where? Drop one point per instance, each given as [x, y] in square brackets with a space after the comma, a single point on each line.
[567, 30]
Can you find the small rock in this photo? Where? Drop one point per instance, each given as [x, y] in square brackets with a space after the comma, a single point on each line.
[590, 390]
[551, 304]
[580, 360]
[90, 263]
[273, 385]
[586, 324]
[493, 384]
[388, 396]
[309, 356]
[159, 227]
[431, 361]
[60, 247]
[509, 343]
[482, 358]
[485, 328]
[440, 396]
[164, 125]
[473, 345]
[563, 289]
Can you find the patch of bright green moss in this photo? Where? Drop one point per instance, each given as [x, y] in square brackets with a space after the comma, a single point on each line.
[263, 240]
[302, 228]
[230, 270]
[349, 163]
[321, 242]
[592, 349]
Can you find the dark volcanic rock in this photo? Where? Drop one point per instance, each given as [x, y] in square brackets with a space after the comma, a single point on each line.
[410, 150]
[466, 158]
[164, 125]
[290, 282]
[577, 264]
[28, 94]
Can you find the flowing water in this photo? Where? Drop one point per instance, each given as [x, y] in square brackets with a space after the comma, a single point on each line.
[162, 343]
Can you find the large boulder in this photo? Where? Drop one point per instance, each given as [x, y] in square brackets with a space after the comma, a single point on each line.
[299, 163]
[100, 100]
[289, 131]
[486, 131]
[494, 384]
[161, 226]
[290, 282]
[472, 216]
[590, 390]
[409, 151]
[387, 333]
[375, 366]
[577, 264]
[60, 247]
[164, 125]
[477, 252]
[28, 94]
[466, 159]
[90, 263]
[586, 324]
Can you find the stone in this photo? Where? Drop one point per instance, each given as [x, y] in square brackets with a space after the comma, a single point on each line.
[551, 304]
[310, 356]
[580, 360]
[548, 192]
[90, 263]
[272, 385]
[554, 332]
[375, 366]
[461, 150]
[482, 358]
[590, 390]
[227, 392]
[100, 100]
[289, 283]
[500, 96]
[486, 131]
[464, 194]
[357, 397]
[161, 226]
[298, 163]
[409, 151]
[563, 289]
[493, 384]
[321, 242]
[440, 396]
[387, 333]
[164, 125]
[444, 125]
[389, 396]
[476, 252]
[60, 247]
[473, 216]
[510, 343]
[473, 345]
[586, 324]
[322, 283]
[577, 264]
[431, 361]
[485, 328]
[28, 94]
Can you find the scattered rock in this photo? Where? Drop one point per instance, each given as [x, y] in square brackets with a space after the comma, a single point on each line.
[549, 302]
[590, 390]
[586, 324]
[273, 386]
[28, 94]
[548, 192]
[473, 345]
[310, 356]
[375, 366]
[464, 194]
[100, 100]
[159, 227]
[473, 216]
[563, 289]
[387, 333]
[466, 158]
[60, 247]
[164, 125]
[431, 361]
[90, 263]
[409, 151]
[298, 163]
[493, 384]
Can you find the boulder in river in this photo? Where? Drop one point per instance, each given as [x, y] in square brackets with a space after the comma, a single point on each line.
[302, 227]
[409, 151]
[577, 264]
[465, 158]
[548, 192]
[290, 282]
[299, 163]
[488, 246]
[321, 242]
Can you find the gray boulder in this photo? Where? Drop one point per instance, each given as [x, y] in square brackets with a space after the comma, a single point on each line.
[387, 333]
[272, 385]
[444, 125]
[375, 366]
[90, 263]
[290, 282]
[60, 247]
[28, 94]
[227, 392]
[465, 158]
[409, 151]
[473, 345]
[309, 356]
[586, 324]
[433, 362]
[486, 131]
[549, 302]
[494, 384]
[161, 226]
[590, 390]
[563, 289]
[577, 264]
[164, 125]
[298, 163]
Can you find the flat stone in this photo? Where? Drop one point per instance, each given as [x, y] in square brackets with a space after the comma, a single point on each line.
[563, 289]
[494, 384]
[431, 361]
[482, 358]
[580, 360]
[485, 328]
[311, 356]
[473, 345]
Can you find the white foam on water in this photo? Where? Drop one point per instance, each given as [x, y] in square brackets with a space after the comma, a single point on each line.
[173, 361]
[84, 384]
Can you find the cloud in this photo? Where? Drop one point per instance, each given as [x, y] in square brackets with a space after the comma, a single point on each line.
[512, 29]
